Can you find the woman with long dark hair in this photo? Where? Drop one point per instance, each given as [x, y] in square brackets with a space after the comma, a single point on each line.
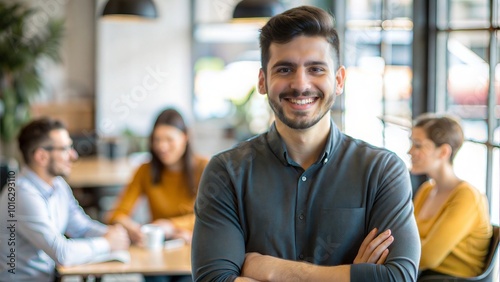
[169, 182]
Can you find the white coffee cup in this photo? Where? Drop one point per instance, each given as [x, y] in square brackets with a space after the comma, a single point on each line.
[154, 236]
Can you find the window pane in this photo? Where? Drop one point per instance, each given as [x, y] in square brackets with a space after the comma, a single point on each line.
[497, 83]
[442, 15]
[397, 47]
[364, 10]
[495, 193]
[396, 50]
[496, 20]
[397, 91]
[475, 130]
[398, 9]
[465, 14]
[470, 165]
[359, 45]
[397, 140]
[363, 100]
[364, 80]
[468, 78]
[378, 58]
[496, 134]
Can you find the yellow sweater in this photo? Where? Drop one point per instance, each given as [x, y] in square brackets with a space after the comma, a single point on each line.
[169, 199]
[455, 240]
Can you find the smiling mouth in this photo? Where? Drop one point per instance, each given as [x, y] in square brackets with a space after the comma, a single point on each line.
[301, 101]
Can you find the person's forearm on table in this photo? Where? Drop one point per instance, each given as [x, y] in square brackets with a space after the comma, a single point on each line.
[133, 228]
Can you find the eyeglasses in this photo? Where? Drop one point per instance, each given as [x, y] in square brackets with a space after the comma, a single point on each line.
[61, 148]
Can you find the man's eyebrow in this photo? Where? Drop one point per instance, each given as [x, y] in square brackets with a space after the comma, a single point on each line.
[307, 64]
[283, 64]
[315, 63]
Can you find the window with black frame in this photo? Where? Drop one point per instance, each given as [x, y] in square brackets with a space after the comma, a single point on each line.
[377, 53]
[468, 86]
[459, 52]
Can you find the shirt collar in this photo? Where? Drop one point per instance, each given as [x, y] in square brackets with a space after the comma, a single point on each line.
[278, 146]
[45, 189]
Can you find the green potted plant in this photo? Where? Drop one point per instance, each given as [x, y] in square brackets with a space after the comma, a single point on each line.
[20, 50]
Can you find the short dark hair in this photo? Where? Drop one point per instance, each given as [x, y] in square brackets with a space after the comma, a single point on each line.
[36, 134]
[303, 20]
[442, 130]
[173, 118]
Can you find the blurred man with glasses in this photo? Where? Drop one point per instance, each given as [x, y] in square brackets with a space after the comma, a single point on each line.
[41, 223]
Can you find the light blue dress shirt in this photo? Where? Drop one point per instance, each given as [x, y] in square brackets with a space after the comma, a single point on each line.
[34, 219]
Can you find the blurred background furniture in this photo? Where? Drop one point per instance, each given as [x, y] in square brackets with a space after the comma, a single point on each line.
[97, 180]
[490, 273]
[7, 166]
[144, 261]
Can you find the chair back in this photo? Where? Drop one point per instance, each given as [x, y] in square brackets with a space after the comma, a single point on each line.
[488, 273]
[6, 166]
[492, 258]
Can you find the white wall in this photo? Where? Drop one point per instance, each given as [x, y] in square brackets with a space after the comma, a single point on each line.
[141, 68]
[79, 48]
[73, 77]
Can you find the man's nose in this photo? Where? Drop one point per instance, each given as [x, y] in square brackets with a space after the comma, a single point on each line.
[301, 81]
[73, 154]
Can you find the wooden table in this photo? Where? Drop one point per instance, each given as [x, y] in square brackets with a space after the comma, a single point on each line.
[142, 260]
[101, 172]
[93, 178]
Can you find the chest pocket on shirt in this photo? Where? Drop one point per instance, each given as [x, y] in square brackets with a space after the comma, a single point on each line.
[343, 230]
[345, 217]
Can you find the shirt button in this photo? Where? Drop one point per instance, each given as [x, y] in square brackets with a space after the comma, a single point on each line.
[325, 161]
[301, 216]
[304, 178]
[301, 256]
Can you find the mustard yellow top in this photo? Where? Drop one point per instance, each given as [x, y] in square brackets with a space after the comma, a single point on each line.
[455, 240]
[170, 199]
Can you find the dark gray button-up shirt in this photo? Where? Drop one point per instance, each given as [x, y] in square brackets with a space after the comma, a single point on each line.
[255, 198]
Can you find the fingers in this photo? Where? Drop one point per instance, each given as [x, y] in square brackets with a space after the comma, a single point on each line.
[382, 251]
[136, 236]
[373, 249]
[117, 238]
[362, 255]
[368, 239]
[122, 237]
[120, 230]
[382, 258]
[379, 240]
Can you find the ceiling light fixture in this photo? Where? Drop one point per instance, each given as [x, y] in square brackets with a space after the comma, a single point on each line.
[137, 8]
[257, 9]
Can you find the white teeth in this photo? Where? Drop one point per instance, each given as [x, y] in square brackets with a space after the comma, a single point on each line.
[302, 101]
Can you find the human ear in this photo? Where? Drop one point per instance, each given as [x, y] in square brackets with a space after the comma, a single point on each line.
[40, 156]
[445, 151]
[262, 82]
[340, 80]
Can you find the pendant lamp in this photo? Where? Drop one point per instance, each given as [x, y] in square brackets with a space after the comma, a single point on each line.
[257, 9]
[139, 8]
